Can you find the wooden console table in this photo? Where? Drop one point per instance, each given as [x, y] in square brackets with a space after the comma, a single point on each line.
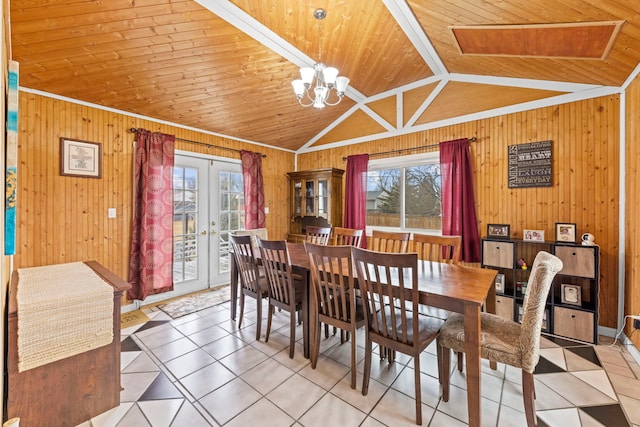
[70, 391]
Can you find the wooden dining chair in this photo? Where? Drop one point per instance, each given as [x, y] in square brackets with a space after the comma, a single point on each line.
[285, 291]
[317, 235]
[385, 241]
[333, 294]
[347, 236]
[252, 283]
[389, 287]
[503, 340]
[437, 248]
[255, 233]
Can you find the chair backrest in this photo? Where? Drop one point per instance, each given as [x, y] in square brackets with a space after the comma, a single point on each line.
[394, 242]
[389, 287]
[347, 236]
[246, 262]
[277, 268]
[545, 267]
[255, 234]
[317, 235]
[437, 248]
[332, 280]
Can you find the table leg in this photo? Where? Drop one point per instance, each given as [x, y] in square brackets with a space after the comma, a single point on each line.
[472, 353]
[306, 338]
[234, 287]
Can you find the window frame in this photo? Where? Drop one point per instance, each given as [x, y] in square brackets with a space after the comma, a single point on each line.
[403, 162]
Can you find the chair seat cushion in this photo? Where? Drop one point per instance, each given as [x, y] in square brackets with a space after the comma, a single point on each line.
[499, 338]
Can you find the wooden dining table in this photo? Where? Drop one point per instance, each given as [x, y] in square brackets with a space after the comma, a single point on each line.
[455, 288]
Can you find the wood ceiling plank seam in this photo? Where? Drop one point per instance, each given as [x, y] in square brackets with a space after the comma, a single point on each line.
[377, 118]
[426, 103]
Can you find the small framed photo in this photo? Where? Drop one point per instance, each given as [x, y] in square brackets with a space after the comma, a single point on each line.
[570, 294]
[498, 231]
[533, 235]
[565, 232]
[499, 282]
[80, 158]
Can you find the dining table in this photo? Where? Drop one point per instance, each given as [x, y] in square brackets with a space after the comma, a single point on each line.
[454, 288]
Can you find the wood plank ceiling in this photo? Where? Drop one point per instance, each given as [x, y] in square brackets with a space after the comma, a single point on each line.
[226, 67]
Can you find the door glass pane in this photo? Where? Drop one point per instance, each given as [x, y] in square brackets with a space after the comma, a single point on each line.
[323, 198]
[185, 205]
[310, 196]
[231, 216]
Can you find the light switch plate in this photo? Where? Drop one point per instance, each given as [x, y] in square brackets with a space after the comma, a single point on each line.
[111, 212]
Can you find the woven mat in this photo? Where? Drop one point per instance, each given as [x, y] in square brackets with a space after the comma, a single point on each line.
[193, 303]
[63, 310]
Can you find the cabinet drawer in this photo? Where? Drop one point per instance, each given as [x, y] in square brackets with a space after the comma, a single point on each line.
[573, 323]
[504, 307]
[497, 254]
[577, 261]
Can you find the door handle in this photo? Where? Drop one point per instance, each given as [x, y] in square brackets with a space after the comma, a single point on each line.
[212, 232]
[203, 233]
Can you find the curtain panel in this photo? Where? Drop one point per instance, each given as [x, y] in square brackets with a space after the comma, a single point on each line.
[253, 190]
[458, 201]
[151, 260]
[355, 197]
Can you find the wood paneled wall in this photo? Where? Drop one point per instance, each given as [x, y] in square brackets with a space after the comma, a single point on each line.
[632, 213]
[64, 219]
[585, 186]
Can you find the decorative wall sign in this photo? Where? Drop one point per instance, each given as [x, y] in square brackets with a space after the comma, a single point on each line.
[530, 165]
[80, 158]
[11, 172]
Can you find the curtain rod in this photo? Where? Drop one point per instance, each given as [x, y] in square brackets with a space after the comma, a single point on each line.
[402, 150]
[134, 130]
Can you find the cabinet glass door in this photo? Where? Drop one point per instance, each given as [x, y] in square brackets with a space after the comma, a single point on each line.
[323, 198]
[297, 198]
[310, 208]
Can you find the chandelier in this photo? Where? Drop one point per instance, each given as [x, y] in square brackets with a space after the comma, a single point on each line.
[327, 81]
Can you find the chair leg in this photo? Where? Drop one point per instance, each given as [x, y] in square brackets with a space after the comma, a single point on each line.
[353, 361]
[367, 366]
[445, 371]
[528, 394]
[292, 334]
[416, 372]
[460, 361]
[269, 316]
[315, 348]
[241, 309]
[259, 319]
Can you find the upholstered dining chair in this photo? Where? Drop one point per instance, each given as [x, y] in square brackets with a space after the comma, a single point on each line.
[389, 286]
[385, 241]
[503, 340]
[285, 291]
[333, 296]
[317, 235]
[252, 283]
[437, 248]
[347, 236]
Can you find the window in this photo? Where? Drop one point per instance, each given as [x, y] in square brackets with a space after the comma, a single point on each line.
[404, 193]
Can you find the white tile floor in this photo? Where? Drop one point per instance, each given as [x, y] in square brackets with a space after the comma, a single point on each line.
[201, 370]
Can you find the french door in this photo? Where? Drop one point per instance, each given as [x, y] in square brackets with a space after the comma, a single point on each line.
[208, 204]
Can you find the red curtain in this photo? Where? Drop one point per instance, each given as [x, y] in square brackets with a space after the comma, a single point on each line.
[355, 197]
[458, 202]
[253, 190]
[151, 260]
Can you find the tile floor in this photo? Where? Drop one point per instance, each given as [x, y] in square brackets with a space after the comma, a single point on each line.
[201, 370]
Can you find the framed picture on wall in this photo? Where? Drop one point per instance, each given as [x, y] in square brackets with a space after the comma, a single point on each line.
[571, 294]
[80, 158]
[498, 231]
[565, 232]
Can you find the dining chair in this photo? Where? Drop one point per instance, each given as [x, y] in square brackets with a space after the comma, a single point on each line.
[347, 236]
[333, 294]
[317, 235]
[252, 283]
[285, 291]
[385, 241]
[389, 287]
[437, 248]
[506, 341]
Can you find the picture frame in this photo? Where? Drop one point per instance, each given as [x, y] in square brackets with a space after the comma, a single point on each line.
[500, 282]
[498, 231]
[571, 294]
[533, 235]
[80, 158]
[565, 232]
